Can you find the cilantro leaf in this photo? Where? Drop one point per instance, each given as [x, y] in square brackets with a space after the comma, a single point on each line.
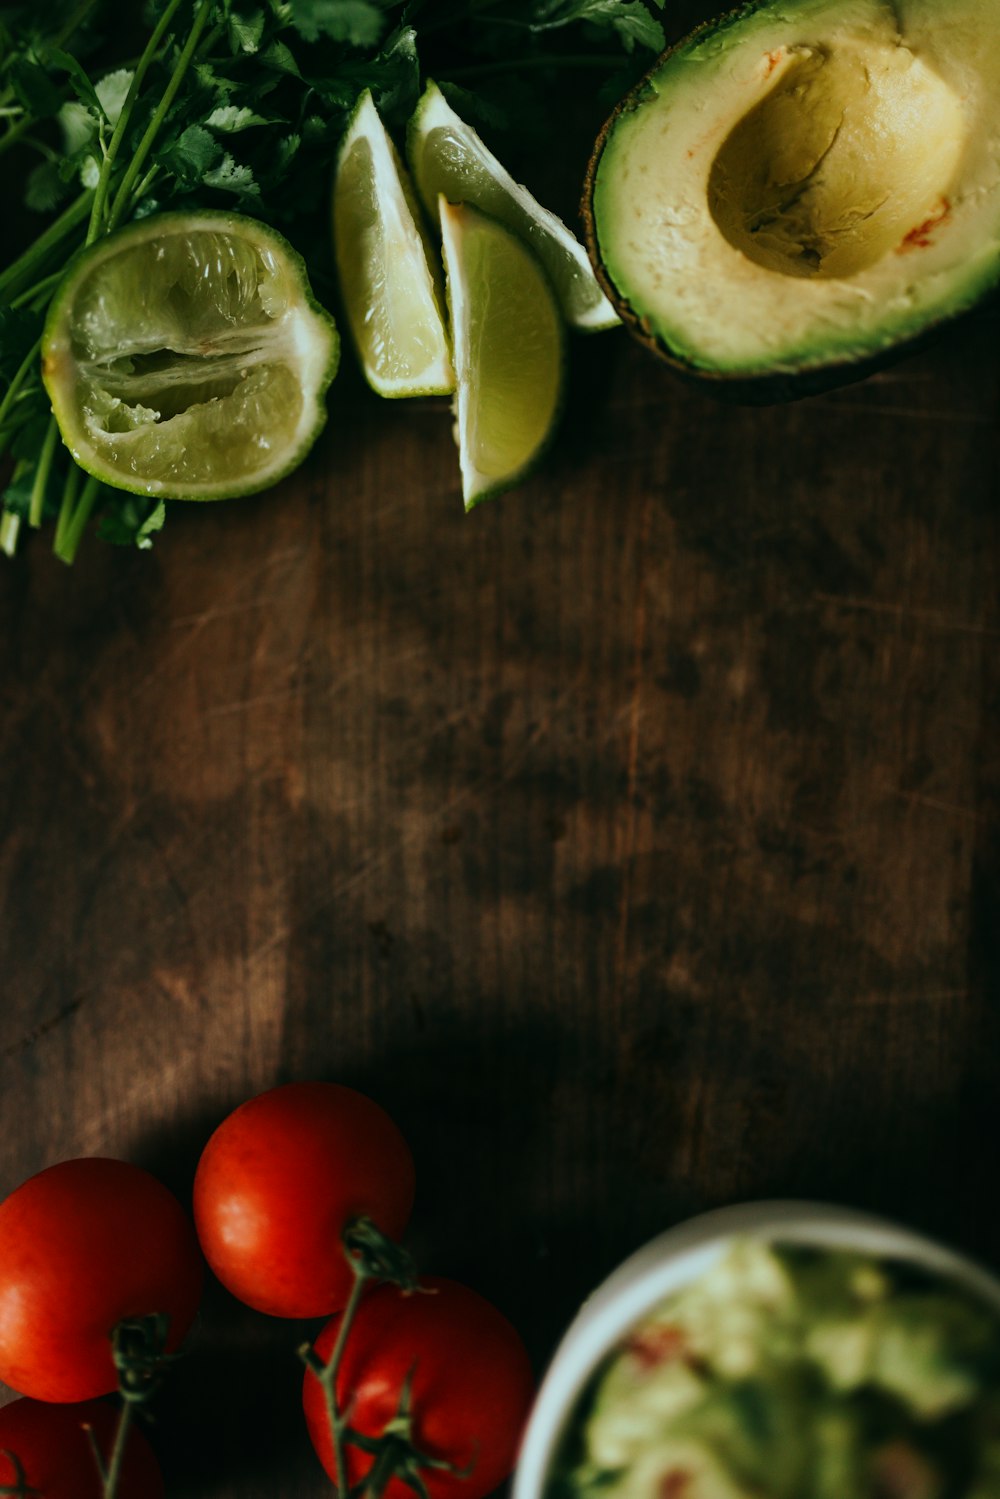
[45, 188]
[232, 177]
[79, 127]
[630, 20]
[33, 88]
[280, 156]
[359, 23]
[81, 84]
[475, 107]
[131, 520]
[28, 443]
[112, 91]
[281, 59]
[17, 495]
[397, 86]
[194, 153]
[245, 32]
[230, 119]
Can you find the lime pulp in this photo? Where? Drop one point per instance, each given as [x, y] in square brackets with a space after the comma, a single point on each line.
[508, 346]
[392, 296]
[186, 358]
[448, 159]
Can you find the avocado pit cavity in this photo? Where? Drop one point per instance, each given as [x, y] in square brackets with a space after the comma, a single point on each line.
[803, 189]
[850, 153]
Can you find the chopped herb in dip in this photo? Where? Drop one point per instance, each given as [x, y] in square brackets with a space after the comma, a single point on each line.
[793, 1373]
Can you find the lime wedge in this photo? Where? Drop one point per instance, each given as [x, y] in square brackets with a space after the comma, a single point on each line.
[508, 339]
[448, 158]
[185, 357]
[385, 265]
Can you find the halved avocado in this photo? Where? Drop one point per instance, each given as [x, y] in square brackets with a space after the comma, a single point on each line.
[800, 190]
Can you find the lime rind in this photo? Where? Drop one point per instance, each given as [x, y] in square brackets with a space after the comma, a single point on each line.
[186, 357]
[447, 157]
[508, 350]
[386, 266]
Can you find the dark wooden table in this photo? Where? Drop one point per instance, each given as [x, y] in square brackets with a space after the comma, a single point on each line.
[634, 840]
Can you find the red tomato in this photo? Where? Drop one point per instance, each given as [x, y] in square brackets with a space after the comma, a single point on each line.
[84, 1245]
[471, 1388]
[278, 1181]
[52, 1446]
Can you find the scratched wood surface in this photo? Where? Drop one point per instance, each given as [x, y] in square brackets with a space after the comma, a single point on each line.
[635, 840]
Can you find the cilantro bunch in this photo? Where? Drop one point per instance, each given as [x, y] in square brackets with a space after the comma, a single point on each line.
[234, 104]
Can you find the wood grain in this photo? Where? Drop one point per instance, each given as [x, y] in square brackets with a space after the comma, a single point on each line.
[635, 839]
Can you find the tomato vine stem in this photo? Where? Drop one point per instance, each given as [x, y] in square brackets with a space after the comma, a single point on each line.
[372, 1257]
[110, 1471]
[394, 1453]
[328, 1379]
[20, 1488]
[139, 1347]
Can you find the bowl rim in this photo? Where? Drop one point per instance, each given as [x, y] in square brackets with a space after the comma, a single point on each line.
[678, 1256]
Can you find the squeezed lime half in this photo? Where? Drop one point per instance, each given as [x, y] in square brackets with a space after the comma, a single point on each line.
[186, 357]
[392, 296]
[448, 158]
[508, 346]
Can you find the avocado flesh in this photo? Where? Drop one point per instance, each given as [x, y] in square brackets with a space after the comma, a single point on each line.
[806, 184]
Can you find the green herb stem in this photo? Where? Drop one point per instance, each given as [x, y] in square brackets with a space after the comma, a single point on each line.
[124, 192]
[99, 206]
[330, 1378]
[48, 240]
[70, 487]
[10, 525]
[22, 372]
[68, 544]
[42, 147]
[13, 133]
[143, 187]
[62, 36]
[16, 418]
[43, 468]
[114, 1469]
[74, 22]
[39, 291]
[210, 38]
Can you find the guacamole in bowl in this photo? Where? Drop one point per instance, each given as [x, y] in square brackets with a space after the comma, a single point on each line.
[795, 1371]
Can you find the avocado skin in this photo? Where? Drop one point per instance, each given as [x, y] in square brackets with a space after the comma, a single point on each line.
[766, 388]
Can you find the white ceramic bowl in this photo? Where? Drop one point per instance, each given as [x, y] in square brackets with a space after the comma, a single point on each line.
[680, 1256]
